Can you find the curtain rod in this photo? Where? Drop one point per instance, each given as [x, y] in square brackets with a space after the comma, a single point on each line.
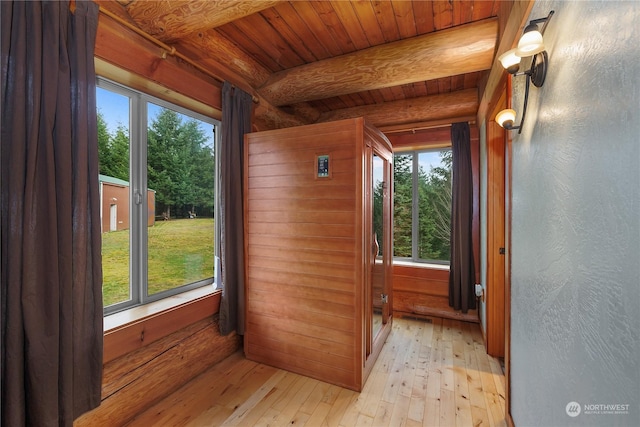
[414, 129]
[171, 50]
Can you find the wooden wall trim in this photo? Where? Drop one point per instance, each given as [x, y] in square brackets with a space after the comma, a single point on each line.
[439, 137]
[136, 57]
[494, 288]
[134, 335]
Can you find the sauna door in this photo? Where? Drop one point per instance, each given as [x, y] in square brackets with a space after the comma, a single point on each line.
[378, 298]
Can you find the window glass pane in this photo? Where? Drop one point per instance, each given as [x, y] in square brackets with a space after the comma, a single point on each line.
[181, 184]
[113, 153]
[402, 204]
[434, 205]
[378, 201]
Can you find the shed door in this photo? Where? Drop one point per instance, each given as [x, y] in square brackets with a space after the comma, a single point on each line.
[113, 218]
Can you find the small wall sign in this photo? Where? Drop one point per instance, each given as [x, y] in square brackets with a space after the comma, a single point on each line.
[323, 166]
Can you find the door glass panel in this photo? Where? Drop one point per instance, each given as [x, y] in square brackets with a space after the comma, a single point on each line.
[377, 273]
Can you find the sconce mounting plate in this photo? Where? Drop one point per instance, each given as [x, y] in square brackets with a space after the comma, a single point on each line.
[539, 68]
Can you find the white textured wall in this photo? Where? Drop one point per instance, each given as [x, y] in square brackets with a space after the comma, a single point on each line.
[482, 309]
[576, 222]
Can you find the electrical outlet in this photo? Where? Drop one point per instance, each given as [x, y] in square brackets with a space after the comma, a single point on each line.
[479, 290]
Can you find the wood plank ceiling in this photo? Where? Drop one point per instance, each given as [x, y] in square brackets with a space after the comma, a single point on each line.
[402, 64]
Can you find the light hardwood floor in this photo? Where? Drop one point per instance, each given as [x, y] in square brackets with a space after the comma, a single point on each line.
[428, 374]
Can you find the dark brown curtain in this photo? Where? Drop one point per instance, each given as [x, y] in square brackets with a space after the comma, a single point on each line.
[462, 269]
[51, 263]
[236, 121]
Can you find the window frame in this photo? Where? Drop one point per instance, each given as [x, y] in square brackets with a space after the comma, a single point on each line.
[415, 207]
[138, 229]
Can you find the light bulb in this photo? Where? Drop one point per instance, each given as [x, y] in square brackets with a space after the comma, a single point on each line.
[506, 118]
[531, 42]
[510, 61]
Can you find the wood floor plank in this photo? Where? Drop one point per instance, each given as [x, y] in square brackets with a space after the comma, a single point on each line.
[447, 382]
[428, 374]
[476, 396]
[350, 417]
[345, 398]
[400, 411]
[262, 407]
[373, 389]
[241, 412]
[447, 407]
[431, 412]
[319, 415]
[416, 409]
[480, 416]
[383, 415]
[295, 400]
[364, 421]
[315, 397]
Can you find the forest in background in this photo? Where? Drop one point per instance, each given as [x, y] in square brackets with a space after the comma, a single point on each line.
[180, 163]
[434, 208]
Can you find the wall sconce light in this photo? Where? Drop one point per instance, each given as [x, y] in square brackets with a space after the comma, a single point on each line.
[530, 44]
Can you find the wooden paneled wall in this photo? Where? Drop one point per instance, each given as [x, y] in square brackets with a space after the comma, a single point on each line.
[423, 291]
[304, 257]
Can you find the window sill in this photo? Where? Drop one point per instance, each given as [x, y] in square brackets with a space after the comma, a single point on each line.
[426, 265]
[134, 314]
[139, 326]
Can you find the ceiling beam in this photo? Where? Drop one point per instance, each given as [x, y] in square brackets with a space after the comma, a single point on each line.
[446, 106]
[224, 58]
[458, 50]
[169, 21]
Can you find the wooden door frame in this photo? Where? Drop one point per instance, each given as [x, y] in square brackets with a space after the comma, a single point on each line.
[494, 288]
[507, 270]
[502, 99]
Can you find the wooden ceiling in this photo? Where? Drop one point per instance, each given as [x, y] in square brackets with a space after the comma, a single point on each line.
[401, 64]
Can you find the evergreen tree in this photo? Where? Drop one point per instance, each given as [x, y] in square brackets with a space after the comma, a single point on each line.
[434, 208]
[119, 152]
[440, 180]
[104, 155]
[402, 204]
[113, 151]
[180, 165]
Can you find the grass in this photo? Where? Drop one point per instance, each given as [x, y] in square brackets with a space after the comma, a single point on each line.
[180, 252]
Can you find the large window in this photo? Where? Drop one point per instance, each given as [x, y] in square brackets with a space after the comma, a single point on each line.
[422, 206]
[157, 186]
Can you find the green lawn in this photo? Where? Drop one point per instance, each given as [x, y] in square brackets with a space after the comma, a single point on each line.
[180, 252]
